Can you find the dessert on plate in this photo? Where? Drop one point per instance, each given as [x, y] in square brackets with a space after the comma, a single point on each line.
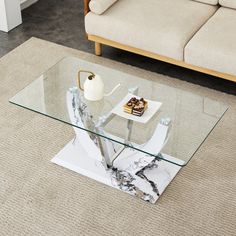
[136, 106]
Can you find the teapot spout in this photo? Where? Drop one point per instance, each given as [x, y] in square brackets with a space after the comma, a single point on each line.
[112, 91]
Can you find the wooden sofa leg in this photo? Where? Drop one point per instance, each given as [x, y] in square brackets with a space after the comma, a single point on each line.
[98, 49]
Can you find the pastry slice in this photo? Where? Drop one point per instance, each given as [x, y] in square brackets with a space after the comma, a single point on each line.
[128, 107]
[139, 108]
[135, 106]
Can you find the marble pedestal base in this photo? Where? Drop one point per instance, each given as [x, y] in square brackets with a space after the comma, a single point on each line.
[148, 184]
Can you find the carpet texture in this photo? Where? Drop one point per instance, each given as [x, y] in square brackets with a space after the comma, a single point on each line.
[40, 198]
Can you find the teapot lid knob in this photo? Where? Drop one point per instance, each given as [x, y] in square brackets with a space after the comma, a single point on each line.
[92, 76]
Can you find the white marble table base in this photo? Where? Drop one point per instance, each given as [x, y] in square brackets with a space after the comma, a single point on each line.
[148, 184]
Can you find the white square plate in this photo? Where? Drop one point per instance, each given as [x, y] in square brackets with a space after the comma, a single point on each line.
[153, 107]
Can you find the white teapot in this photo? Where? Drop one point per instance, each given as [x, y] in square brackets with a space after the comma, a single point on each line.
[94, 86]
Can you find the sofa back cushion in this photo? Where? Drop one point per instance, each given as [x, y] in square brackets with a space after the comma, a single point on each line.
[211, 2]
[228, 3]
[100, 6]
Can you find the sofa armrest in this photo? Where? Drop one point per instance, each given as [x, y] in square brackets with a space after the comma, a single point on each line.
[97, 6]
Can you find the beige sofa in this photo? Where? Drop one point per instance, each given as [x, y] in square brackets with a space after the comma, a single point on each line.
[200, 35]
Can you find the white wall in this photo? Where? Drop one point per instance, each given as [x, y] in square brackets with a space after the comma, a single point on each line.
[10, 14]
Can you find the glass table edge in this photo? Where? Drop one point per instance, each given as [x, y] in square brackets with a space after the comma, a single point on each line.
[128, 146]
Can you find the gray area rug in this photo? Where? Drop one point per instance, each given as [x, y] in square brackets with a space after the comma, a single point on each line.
[40, 198]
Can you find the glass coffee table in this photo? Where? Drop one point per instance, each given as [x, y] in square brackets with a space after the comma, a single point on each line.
[136, 155]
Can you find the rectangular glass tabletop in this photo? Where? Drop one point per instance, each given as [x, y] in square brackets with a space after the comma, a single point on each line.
[192, 117]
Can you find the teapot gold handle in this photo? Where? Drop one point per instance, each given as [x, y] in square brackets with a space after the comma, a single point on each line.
[90, 77]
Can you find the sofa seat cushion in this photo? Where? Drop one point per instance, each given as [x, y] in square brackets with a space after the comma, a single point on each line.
[159, 26]
[228, 3]
[214, 46]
